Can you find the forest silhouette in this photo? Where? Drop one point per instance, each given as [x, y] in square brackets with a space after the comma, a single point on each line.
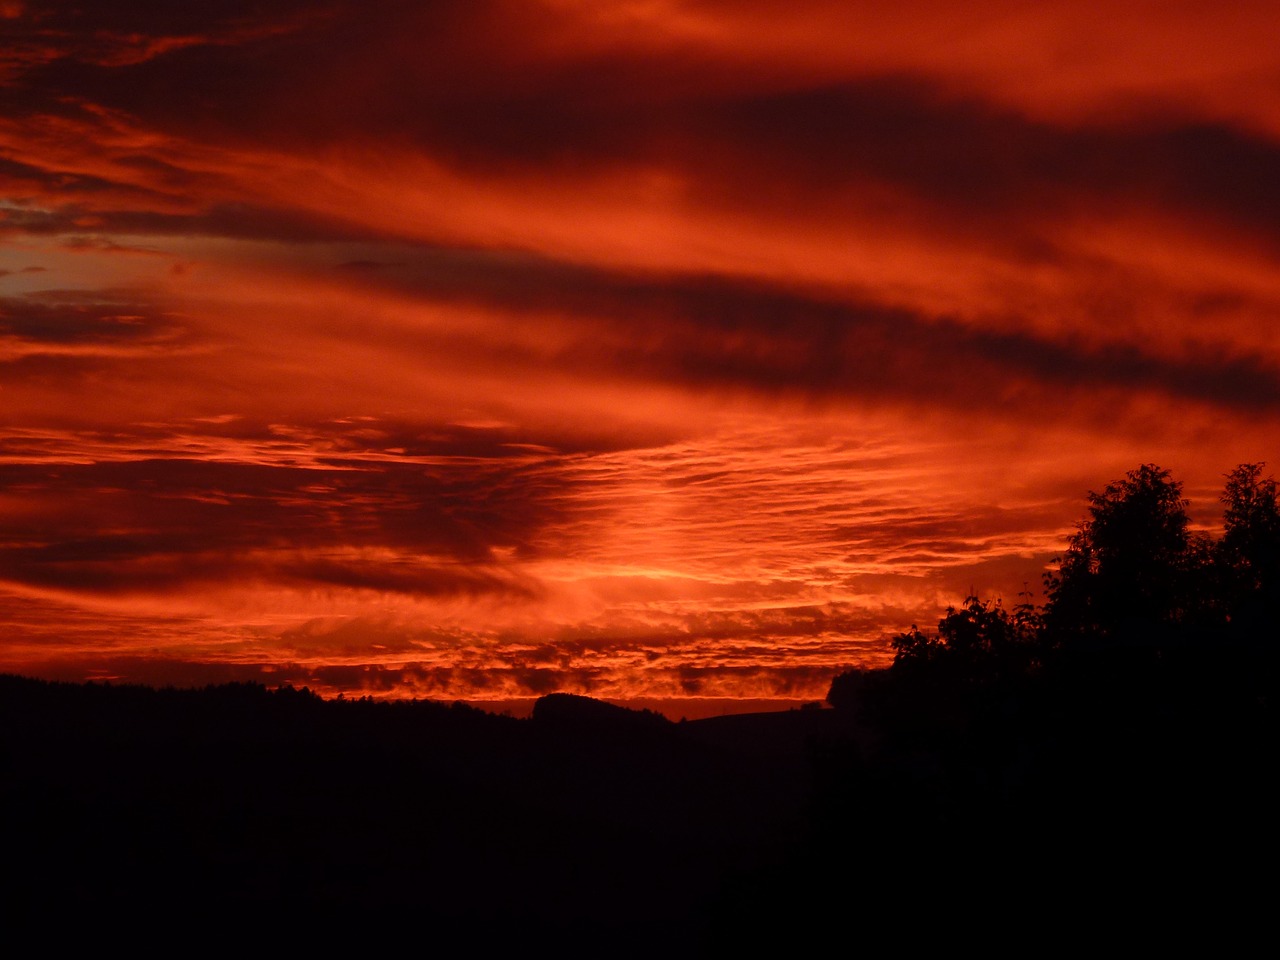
[1025, 776]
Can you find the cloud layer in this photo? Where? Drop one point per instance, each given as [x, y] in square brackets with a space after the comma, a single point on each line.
[654, 349]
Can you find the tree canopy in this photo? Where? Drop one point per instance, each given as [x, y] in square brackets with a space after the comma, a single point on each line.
[1133, 574]
[1131, 563]
[1248, 556]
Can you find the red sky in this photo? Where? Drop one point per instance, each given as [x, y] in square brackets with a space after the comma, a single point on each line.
[484, 349]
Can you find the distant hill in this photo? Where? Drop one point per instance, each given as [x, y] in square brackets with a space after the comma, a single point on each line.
[589, 824]
[585, 820]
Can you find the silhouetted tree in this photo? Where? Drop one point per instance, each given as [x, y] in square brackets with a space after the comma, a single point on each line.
[849, 689]
[1131, 565]
[1248, 555]
[980, 640]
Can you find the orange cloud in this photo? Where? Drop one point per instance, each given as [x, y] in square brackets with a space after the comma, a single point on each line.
[656, 349]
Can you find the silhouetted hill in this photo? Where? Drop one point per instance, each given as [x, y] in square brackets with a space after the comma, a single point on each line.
[586, 712]
[582, 822]
[918, 801]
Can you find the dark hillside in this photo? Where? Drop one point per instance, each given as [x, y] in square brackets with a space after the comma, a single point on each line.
[1063, 798]
[233, 801]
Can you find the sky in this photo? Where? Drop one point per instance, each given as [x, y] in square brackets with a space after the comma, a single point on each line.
[483, 349]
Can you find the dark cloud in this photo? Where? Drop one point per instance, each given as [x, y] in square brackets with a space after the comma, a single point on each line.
[713, 331]
[359, 266]
[982, 162]
[732, 632]
[168, 671]
[237, 66]
[70, 317]
[140, 19]
[99, 244]
[399, 576]
[430, 682]
[461, 84]
[793, 681]
[423, 521]
[242, 221]
[24, 181]
[435, 682]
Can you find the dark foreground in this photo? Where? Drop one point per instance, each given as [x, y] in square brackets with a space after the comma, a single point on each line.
[1068, 814]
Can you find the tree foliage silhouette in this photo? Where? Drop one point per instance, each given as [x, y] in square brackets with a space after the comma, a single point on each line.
[1133, 576]
[980, 639]
[1131, 563]
[1136, 707]
[1248, 555]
